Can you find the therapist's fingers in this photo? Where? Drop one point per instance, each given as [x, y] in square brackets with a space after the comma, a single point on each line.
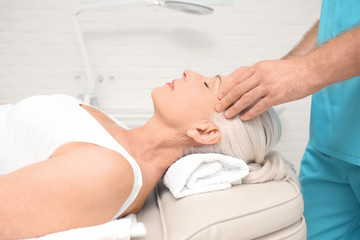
[236, 93]
[260, 107]
[244, 102]
[236, 77]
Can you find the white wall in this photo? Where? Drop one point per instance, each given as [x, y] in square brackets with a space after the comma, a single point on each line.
[134, 49]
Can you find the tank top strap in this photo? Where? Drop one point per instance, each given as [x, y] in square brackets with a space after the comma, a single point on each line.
[112, 144]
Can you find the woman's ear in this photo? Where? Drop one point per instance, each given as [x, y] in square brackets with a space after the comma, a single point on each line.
[205, 133]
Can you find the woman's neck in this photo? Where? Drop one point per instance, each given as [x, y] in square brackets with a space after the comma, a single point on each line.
[155, 147]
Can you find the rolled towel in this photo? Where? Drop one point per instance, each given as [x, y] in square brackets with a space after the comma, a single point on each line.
[121, 229]
[204, 172]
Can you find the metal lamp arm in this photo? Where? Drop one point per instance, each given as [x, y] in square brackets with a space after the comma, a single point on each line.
[89, 90]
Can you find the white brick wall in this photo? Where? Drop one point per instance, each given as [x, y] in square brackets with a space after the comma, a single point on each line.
[137, 48]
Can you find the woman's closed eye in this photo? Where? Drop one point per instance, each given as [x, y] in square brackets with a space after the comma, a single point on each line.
[206, 85]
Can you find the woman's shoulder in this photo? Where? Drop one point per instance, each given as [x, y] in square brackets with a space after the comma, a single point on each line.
[103, 175]
[88, 182]
[94, 158]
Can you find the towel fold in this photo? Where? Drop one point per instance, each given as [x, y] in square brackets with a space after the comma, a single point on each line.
[204, 172]
[121, 229]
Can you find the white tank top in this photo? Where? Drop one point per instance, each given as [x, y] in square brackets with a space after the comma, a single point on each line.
[31, 131]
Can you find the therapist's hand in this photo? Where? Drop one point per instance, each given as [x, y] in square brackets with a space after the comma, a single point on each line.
[265, 84]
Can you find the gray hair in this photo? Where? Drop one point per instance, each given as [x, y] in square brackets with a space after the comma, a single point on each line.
[252, 142]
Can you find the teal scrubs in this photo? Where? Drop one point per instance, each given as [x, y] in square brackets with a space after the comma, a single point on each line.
[330, 168]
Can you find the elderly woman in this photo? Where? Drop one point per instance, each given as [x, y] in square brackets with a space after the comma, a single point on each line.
[66, 165]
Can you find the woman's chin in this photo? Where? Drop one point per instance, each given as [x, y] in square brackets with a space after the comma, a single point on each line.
[157, 97]
[155, 93]
[156, 90]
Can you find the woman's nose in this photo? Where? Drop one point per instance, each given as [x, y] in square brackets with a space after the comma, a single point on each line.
[187, 75]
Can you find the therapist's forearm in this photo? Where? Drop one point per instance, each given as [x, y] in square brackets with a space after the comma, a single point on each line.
[336, 60]
[306, 45]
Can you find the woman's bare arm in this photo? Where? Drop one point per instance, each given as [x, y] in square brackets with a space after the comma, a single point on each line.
[82, 188]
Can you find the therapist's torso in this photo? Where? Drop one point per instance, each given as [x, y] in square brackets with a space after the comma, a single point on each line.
[335, 110]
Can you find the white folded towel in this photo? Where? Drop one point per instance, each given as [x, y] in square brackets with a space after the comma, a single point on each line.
[199, 173]
[121, 229]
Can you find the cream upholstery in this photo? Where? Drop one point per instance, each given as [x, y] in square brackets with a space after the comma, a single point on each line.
[270, 210]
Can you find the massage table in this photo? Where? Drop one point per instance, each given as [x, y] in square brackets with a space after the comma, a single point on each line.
[266, 211]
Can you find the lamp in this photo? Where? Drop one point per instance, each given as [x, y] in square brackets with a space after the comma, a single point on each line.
[89, 89]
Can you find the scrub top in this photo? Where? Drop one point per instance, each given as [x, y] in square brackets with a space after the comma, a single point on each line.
[335, 110]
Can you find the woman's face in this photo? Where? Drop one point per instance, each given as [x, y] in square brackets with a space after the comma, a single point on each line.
[187, 100]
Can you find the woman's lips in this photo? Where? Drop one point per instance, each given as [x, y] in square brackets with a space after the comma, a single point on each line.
[171, 85]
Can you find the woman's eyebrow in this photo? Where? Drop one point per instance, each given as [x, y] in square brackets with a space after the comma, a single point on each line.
[218, 76]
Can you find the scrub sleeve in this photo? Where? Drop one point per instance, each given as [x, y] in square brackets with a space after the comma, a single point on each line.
[330, 168]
